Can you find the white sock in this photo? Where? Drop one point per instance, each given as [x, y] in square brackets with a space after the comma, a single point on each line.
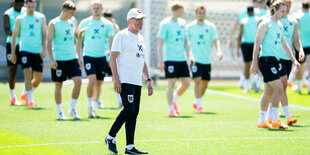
[170, 107]
[89, 101]
[94, 106]
[275, 114]
[29, 95]
[12, 92]
[291, 78]
[286, 111]
[73, 103]
[269, 111]
[118, 96]
[58, 106]
[298, 84]
[99, 98]
[130, 146]
[262, 117]
[198, 102]
[110, 137]
[175, 98]
[247, 84]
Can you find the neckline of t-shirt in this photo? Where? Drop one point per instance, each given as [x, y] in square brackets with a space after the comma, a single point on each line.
[130, 33]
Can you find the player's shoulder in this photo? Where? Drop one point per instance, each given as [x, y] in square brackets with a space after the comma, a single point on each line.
[191, 24]
[8, 11]
[106, 21]
[165, 21]
[39, 14]
[209, 23]
[181, 21]
[292, 19]
[86, 20]
[55, 20]
[123, 32]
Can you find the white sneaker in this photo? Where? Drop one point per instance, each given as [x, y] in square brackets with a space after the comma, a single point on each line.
[296, 89]
[92, 114]
[74, 114]
[246, 90]
[100, 105]
[61, 116]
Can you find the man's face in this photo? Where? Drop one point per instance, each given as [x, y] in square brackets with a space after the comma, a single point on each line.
[288, 6]
[179, 12]
[31, 6]
[69, 12]
[280, 13]
[96, 10]
[201, 14]
[18, 5]
[136, 24]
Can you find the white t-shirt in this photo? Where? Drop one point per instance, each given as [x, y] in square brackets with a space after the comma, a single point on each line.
[131, 58]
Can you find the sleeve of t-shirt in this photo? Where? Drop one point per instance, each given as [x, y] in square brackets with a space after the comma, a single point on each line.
[117, 43]
[111, 31]
[162, 31]
[214, 32]
[82, 25]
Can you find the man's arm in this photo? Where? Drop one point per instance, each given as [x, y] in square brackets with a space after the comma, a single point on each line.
[6, 25]
[239, 40]
[44, 29]
[113, 64]
[262, 30]
[217, 44]
[189, 51]
[297, 44]
[147, 77]
[232, 32]
[160, 64]
[15, 34]
[49, 38]
[288, 51]
[76, 31]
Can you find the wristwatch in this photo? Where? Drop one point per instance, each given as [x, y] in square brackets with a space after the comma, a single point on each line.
[149, 79]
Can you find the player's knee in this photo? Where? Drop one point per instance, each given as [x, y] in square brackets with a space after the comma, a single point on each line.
[78, 82]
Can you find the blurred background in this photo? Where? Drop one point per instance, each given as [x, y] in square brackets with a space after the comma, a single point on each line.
[222, 13]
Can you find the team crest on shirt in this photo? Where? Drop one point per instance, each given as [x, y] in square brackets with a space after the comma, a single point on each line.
[280, 67]
[24, 60]
[37, 20]
[170, 69]
[102, 26]
[138, 55]
[130, 98]
[58, 72]
[9, 56]
[88, 66]
[274, 70]
[194, 69]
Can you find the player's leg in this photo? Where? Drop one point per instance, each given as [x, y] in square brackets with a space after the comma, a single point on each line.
[74, 72]
[308, 66]
[265, 99]
[246, 71]
[58, 99]
[12, 73]
[97, 90]
[198, 95]
[169, 94]
[90, 93]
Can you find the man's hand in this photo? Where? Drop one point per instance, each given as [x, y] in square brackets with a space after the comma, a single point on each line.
[42, 54]
[117, 86]
[13, 58]
[150, 88]
[54, 64]
[254, 68]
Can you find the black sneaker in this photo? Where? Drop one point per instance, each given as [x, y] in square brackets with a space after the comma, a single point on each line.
[111, 144]
[134, 151]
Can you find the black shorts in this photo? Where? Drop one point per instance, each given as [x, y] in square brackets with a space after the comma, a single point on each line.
[201, 70]
[307, 50]
[269, 67]
[95, 66]
[30, 60]
[175, 69]
[65, 70]
[108, 70]
[285, 67]
[247, 52]
[8, 55]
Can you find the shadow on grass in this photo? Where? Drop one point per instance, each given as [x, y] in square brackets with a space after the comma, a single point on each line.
[207, 113]
[100, 118]
[111, 108]
[300, 126]
[72, 120]
[38, 108]
[181, 117]
[281, 130]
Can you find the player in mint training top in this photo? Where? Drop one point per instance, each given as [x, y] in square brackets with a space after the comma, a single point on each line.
[248, 26]
[94, 30]
[9, 17]
[304, 33]
[172, 44]
[270, 40]
[290, 29]
[201, 34]
[65, 62]
[31, 27]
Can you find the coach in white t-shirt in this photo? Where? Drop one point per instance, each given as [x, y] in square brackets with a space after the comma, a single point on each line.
[128, 65]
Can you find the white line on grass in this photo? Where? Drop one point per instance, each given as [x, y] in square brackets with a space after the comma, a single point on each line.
[157, 140]
[214, 92]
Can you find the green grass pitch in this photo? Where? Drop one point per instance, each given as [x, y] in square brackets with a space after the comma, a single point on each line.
[229, 125]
